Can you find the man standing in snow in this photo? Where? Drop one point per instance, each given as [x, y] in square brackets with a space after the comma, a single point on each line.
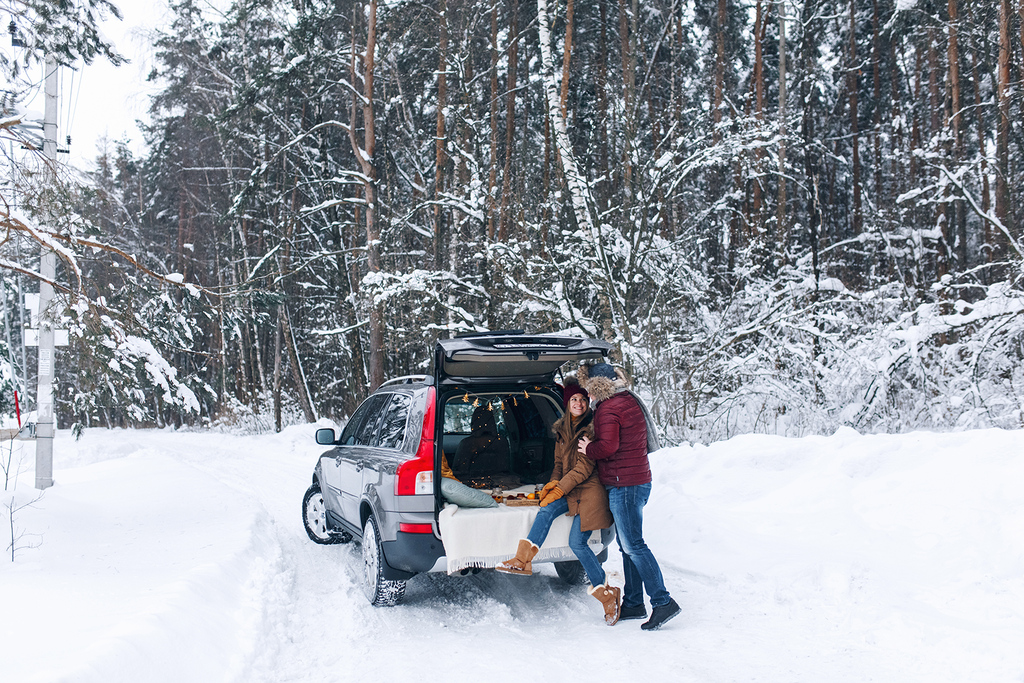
[623, 435]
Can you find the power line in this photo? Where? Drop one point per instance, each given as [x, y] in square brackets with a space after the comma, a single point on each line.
[74, 106]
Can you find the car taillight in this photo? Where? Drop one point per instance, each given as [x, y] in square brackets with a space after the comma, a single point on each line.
[416, 476]
[415, 528]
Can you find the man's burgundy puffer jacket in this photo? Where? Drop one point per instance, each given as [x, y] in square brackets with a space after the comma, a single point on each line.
[620, 442]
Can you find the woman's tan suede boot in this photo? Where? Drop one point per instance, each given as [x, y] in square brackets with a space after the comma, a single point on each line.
[610, 598]
[521, 564]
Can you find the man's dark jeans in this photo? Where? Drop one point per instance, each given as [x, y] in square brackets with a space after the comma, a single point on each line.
[638, 563]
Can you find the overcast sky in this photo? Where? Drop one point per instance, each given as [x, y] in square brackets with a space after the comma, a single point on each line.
[102, 100]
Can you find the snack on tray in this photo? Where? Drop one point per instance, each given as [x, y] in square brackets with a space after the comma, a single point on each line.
[520, 499]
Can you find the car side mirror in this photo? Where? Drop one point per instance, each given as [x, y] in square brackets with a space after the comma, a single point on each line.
[325, 437]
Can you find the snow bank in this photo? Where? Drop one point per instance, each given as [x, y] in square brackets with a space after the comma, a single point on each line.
[897, 557]
[141, 560]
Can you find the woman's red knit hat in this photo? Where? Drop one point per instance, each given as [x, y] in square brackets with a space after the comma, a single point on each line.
[571, 388]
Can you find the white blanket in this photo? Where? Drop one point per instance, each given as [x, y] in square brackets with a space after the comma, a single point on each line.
[483, 537]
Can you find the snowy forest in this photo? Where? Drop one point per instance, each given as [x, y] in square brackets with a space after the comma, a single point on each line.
[787, 215]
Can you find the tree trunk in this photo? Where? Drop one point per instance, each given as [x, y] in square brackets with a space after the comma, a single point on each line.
[986, 203]
[1003, 200]
[756, 211]
[857, 224]
[627, 40]
[492, 174]
[440, 158]
[876, 81]
[547, 207]
[783, 223]
[566, 57]
[953, 49]
[222, 351]
[934, 98]
[958, 218]
[602, 110]
[896, 174]
[510, 121]
[297, 375]
[370, 170]
[915, 126]
[365, 156]
[809, 103]
[579, 190]
[719, 88]
[278, 425]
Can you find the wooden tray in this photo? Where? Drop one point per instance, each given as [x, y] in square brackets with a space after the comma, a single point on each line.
[520, 501]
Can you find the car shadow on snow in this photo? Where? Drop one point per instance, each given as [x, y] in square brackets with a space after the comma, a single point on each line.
[525, 597]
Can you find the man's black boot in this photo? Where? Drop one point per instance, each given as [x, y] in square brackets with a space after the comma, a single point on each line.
[659, 615]
[638, 612]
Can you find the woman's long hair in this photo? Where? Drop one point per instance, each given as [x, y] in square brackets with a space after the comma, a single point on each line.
[568, 430]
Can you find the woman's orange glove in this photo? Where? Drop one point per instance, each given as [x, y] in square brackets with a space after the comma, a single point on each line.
[547, 487]
[554, 494]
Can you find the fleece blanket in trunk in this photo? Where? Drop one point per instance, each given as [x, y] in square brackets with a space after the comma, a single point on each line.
[483, 537]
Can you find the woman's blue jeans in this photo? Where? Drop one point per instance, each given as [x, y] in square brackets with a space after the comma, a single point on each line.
[577, 539]
[638, 563]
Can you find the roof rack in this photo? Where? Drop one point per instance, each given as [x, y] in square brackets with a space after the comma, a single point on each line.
[406, 379]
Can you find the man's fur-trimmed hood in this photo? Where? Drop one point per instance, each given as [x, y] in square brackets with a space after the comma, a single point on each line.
[601, 388]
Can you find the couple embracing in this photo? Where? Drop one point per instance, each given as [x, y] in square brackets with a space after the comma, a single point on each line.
[602, 475]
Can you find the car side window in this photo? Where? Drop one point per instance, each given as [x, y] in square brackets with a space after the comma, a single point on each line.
[366, 435]
[348, 435]
[392, 427]
[369, 411]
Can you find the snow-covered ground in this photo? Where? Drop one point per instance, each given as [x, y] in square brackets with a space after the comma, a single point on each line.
[177, 556]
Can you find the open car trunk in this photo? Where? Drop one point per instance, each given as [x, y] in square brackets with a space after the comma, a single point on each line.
[499, 438]
[498, 398]
[497, 401]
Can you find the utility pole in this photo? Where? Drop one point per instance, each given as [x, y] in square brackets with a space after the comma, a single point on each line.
[48, 269]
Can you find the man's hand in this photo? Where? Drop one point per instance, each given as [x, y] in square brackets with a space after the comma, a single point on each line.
[584, 442]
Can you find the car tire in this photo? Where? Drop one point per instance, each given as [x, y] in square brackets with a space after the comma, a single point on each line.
[314, 519]
[571, 572]
[379, 591]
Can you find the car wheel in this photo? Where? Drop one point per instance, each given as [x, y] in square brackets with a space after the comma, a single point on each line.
[571, 572]
[314, 518]
[379, 591]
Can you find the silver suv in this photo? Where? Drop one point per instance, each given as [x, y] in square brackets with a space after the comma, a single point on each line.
[380, 481]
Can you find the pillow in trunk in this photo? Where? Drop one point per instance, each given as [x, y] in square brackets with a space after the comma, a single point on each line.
[457, 493]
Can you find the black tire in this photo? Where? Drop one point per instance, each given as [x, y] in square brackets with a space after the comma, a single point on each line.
[314, 519]
[379, 591]
[571, 572]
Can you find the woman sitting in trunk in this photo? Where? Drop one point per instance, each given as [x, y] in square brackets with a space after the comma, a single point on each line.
[575, 490]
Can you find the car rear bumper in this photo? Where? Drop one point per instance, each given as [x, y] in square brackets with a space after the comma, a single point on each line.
[410, 554]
